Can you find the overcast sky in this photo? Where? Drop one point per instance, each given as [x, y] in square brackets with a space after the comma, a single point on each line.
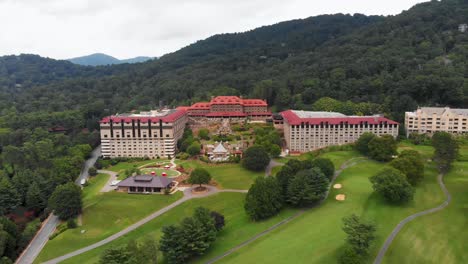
[127, 28]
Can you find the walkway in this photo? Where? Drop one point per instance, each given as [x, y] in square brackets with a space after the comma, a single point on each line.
[42, 236]
[400, 225]
[270, 166]
[344, 166]
[113, 177]
[188, 194]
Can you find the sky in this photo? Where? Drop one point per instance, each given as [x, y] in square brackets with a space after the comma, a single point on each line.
[63, 29]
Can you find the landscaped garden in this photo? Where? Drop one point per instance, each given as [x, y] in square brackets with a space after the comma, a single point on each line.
[104, 214]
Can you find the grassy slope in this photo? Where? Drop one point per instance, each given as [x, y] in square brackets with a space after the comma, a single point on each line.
[228, 176]
[104, 214]
[439, 237]
[316, 237]
[238, 226]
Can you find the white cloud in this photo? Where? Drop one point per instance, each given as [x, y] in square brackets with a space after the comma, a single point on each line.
[127, 28]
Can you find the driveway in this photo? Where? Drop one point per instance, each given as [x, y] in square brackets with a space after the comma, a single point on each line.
[113, 177]
[42, 236]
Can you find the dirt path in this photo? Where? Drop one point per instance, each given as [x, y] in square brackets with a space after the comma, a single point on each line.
[408, 219]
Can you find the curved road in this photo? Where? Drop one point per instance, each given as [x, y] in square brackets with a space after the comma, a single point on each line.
[400, 225]
[42, 236]
[187, 196]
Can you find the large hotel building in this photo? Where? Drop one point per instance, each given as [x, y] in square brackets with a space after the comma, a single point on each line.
[306, 131]
[432, 119]
[155, 133]
[147, 134]
[232, 107]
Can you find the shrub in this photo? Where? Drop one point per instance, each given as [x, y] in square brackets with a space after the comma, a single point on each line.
[392, 185]
[71, 223]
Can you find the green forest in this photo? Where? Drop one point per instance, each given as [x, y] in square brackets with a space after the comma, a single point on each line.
[355, 64]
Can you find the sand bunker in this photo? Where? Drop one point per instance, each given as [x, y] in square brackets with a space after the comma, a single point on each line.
[340, 197]
[337, 186]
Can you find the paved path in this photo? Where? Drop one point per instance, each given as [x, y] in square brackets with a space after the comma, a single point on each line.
[188, 194]
[344, 166]
[400, 225]
[270, 166]
[42, 236]
[113, 177]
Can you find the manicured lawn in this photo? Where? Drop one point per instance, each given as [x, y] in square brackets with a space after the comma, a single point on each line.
[95, 184]
[122, 166]
[104, 214]
[440, 237]
[275, 170]
[159, 171]
[233, 176]
[228, 176]
[238, 226]
[339, 157]
[317, 237]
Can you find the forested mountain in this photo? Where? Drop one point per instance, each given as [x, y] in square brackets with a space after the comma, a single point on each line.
[98, 59]
[28, 70]
[415, 58]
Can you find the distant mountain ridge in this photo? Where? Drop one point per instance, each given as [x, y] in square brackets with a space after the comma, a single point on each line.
[98, 59]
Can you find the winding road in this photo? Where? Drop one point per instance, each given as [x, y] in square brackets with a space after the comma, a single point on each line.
[42, 236]
[408, 219]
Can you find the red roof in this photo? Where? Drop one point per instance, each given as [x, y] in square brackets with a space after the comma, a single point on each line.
[172, 117]
[228, 100]
[231, 114]
[293, 119]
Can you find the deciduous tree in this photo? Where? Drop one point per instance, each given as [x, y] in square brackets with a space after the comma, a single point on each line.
[392, 185]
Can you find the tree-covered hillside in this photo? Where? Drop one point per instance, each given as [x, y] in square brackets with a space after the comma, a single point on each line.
[415, 58]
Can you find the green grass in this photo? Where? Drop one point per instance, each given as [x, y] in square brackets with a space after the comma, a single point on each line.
[104, 214]
[339, 157]
[95, 184]
[316, 237]
[238, 226]
[228, 176]
[159, 171]
[439, 237]
[122, 166]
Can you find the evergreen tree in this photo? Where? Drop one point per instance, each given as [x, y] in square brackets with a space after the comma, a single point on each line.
[34, 198]
[307, 187]
[9, 197]
[264, 198]
[325, 165]
[173, 244]
[445, 150]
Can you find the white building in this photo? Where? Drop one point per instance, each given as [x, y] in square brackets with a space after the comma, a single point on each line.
[432, 119]
[148, 134]
[306, 131]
